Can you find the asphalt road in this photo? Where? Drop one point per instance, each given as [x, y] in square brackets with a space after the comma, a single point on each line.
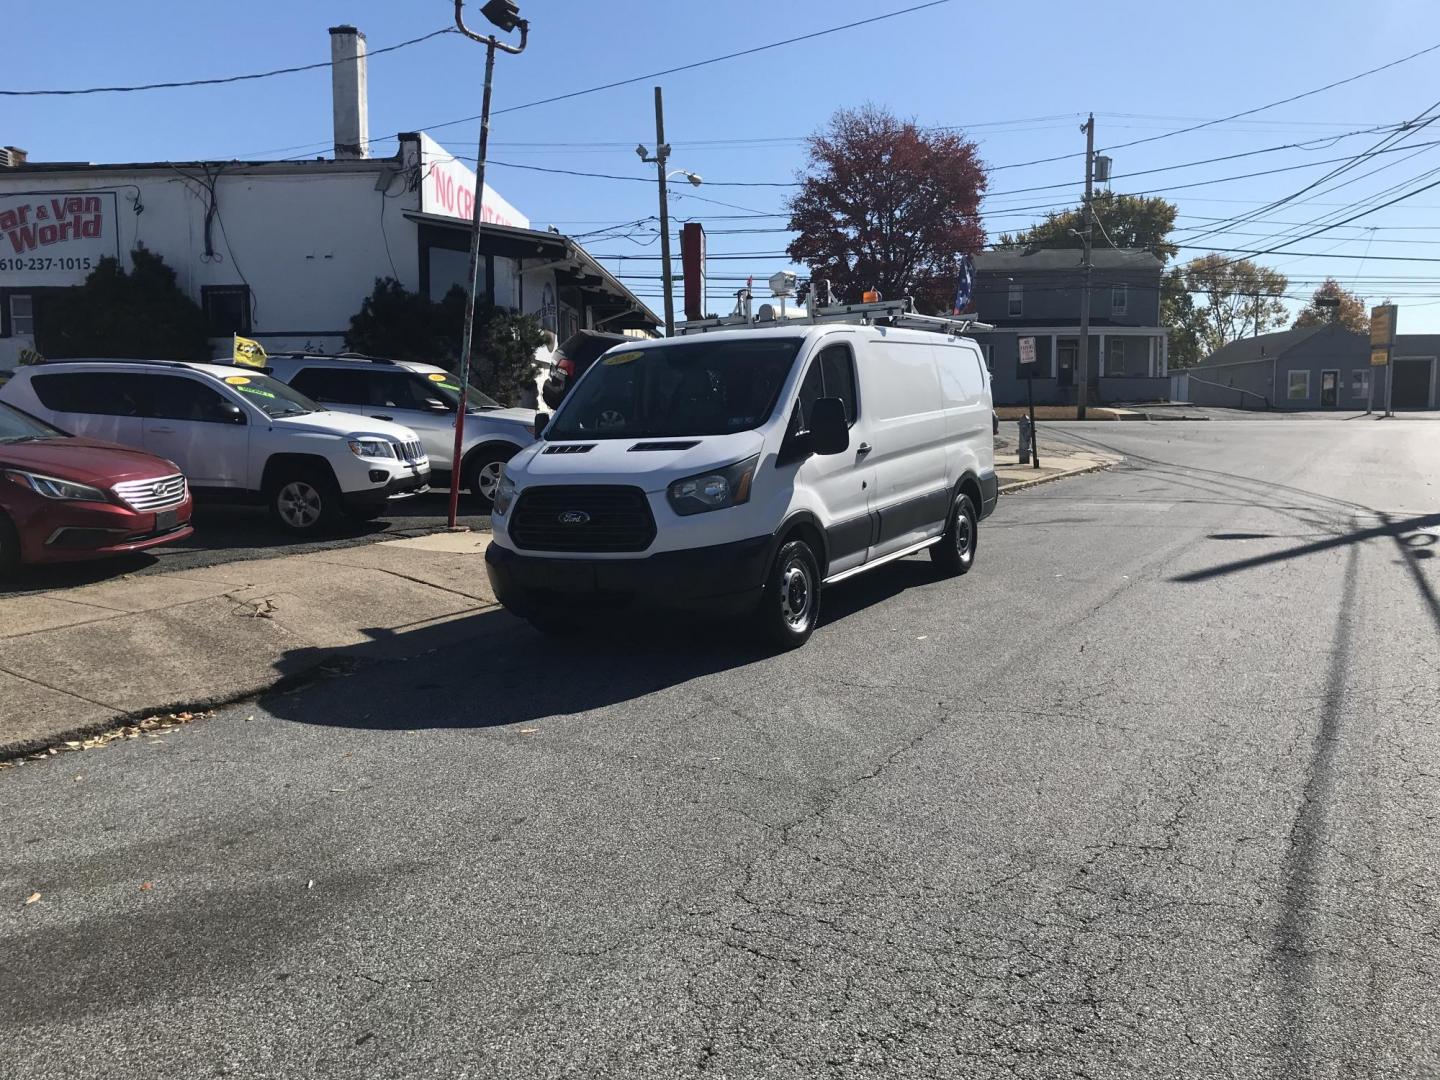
[1151, 793]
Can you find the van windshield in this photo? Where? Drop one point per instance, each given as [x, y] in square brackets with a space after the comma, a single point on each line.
[677, 389]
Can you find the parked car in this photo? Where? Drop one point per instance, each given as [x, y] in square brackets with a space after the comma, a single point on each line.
[64, 498]
[423, 397]
[572, 359]
[743, 470]
[237, 434]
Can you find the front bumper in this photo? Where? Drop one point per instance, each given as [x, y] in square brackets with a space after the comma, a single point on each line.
[409, 484]
[70, 532]
[725, 579]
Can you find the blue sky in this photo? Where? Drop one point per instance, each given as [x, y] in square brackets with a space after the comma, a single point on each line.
[1019, 75]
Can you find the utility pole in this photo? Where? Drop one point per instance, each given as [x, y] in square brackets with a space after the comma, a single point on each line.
[1083, 361]
[662, 153]
[505, 15]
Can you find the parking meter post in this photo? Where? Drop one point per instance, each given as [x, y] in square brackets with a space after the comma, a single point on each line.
[1034, 435]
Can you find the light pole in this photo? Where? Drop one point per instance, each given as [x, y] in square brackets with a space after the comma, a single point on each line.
[505, 15]
[662, 155]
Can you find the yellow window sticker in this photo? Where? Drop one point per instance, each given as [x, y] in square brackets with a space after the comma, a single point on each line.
[621, 358]
[438, 376]
[237, 380]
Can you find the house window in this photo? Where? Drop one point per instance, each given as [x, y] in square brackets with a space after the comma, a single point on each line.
[1360, 383]
[227, 309]
[1298, 388]
[1119, 299]
[1115, 356]
[1017, 300]
[988, 351]
[22, 315]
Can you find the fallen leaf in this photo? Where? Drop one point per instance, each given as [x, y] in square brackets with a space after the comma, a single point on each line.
[527, 731]
[922, 637]
[145, 886]
[310, 884]
[34, 896]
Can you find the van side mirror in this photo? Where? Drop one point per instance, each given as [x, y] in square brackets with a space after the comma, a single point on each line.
[829, 428]
[542, 420]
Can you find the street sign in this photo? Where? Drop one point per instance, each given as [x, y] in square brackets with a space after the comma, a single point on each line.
[1382, 326]
[1027, 350]
[1379, 357]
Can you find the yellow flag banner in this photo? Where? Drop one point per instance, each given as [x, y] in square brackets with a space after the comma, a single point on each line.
[249, 353]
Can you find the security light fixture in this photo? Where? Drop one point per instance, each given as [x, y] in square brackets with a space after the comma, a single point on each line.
[503, 13]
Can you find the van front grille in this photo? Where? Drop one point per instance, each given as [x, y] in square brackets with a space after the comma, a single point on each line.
[582, 518]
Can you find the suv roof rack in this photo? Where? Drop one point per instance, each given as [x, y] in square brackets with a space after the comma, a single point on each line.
[115, 360]
[334, 356]
[898, 313]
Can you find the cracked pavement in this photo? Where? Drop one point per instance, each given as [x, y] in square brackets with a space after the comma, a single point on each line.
[1151, 793]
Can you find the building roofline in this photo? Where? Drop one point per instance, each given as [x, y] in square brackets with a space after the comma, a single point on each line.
[306, 165]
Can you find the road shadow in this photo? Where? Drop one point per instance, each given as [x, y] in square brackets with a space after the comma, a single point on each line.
[491, 669]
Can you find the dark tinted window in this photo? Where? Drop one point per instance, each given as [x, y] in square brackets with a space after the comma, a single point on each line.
[335, 387]
[174, 397]
[811, 391]
[97, 393]
[839, 368]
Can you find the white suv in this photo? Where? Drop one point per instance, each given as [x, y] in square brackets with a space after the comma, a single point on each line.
[236, 434]
[423, 397]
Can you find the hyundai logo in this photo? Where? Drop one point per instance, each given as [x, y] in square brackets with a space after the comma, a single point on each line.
[160, 489]
[574, 517]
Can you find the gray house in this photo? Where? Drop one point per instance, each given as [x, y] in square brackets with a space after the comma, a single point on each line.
[1036, 293]
[1317, 367]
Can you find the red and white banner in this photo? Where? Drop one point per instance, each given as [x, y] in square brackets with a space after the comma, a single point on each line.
[448, 189]
[55, 237]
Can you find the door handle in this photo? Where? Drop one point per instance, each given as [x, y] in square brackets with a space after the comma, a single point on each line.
[862, 449]
[380, 416]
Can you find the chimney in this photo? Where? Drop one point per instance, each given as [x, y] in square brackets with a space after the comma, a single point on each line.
[348, 88]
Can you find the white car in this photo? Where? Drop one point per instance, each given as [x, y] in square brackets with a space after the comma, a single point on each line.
[236, 434]
[743, 470]
[420, 396]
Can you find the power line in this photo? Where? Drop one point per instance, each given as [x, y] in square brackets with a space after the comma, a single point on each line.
[226, 79]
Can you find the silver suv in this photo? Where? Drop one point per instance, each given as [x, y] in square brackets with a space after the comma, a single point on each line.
[422, 397]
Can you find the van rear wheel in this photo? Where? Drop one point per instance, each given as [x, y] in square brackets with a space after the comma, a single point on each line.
[790, 604]
[955, 553]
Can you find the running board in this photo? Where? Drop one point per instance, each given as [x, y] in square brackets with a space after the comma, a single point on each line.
[911, 550]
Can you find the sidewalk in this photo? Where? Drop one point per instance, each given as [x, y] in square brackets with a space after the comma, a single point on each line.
[81, 660]
[1057, 461]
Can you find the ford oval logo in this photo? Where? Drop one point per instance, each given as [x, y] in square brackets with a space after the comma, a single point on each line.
[574, 517]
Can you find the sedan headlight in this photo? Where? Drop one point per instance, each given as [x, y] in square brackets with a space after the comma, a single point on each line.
[53, 487]
[361, 446]
[714, 490]
[504, 494]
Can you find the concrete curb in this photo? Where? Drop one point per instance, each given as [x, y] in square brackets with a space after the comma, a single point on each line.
[1020, 485]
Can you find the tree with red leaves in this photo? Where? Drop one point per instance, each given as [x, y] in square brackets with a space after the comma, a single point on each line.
[888, 206]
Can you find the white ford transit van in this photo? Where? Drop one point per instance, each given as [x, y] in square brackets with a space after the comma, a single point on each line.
[741, 471]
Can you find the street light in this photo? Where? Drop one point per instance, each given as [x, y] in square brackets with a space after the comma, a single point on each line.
[505, 15]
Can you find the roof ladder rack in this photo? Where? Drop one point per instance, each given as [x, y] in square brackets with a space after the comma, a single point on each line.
[890, 312]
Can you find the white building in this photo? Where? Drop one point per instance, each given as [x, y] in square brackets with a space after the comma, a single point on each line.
[286, 251]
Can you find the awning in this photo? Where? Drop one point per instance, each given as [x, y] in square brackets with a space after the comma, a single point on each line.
[617, 307]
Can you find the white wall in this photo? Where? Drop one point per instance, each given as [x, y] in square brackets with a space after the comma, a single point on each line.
[310, 245]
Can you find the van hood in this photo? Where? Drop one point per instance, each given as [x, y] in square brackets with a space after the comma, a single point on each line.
[653, 467]
[338, 423]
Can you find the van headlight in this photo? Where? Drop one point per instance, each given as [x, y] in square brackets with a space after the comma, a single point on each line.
[714, 490]
[361, 446]
[504, 494]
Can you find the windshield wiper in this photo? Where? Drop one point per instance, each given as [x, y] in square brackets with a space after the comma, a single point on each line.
[28, 438]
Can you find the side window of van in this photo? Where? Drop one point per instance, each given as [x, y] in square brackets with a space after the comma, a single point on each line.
[831, 374]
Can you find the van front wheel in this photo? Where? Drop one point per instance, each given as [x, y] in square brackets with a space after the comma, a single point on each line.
[790, 604]
[955, 553]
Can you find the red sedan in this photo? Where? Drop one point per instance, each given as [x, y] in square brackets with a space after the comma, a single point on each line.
[64, 498]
